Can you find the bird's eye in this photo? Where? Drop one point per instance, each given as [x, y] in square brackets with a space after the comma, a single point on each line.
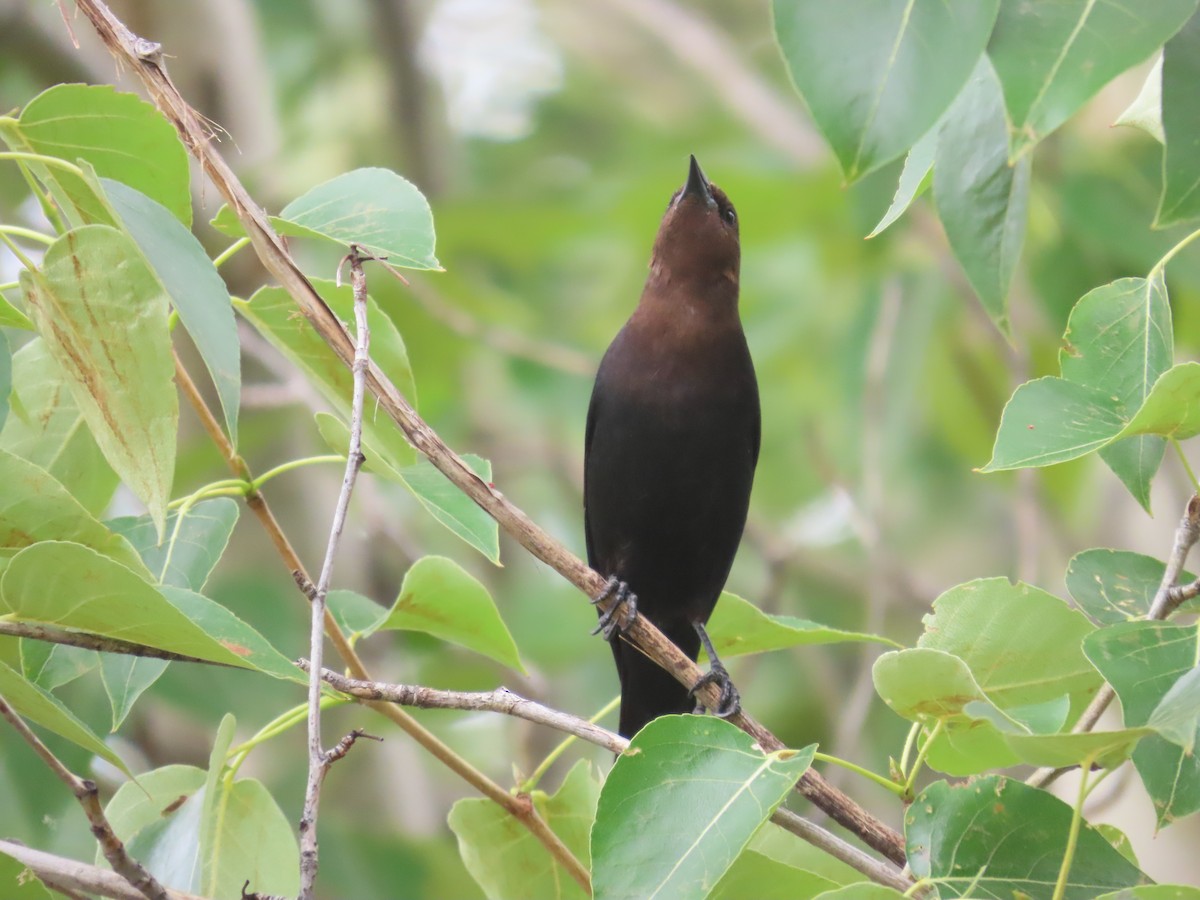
[730, 216]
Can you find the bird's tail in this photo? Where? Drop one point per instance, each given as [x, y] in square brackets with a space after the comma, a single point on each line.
[647, 690]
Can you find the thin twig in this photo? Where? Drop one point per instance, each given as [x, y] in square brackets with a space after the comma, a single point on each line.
[1166, 600]
[318, 760]
[280, 264]
[504, 701]
[96, 642]
[501, 700]
[65, 874]
[523, 812]
[89, 799]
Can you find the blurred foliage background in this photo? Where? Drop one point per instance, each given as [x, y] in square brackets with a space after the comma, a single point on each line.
[548, 137]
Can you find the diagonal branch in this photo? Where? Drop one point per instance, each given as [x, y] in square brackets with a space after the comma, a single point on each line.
[63, 874]
[132, 871]
[145, 60]
[502, 700]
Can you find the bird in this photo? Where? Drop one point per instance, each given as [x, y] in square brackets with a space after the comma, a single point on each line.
[671, 445]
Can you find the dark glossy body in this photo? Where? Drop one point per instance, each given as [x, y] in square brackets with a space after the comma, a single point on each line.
[672, 442]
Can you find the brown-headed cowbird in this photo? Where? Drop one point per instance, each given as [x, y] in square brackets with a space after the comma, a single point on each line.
[672, 442]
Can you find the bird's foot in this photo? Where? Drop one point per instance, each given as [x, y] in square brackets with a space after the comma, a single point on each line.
[618, 617]
[730, 703]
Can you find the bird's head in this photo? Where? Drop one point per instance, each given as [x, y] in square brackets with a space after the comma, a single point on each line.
[698, 237]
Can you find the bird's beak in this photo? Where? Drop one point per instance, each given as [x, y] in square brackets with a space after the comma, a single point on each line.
[697, 185]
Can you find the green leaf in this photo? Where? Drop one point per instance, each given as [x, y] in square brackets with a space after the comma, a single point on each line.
[161, 818]
[681, 804]
[126, 678]
[440, 598]
[191, 844]
[103, 314]
[1119, 840]
[272, 312]
[1173, 407]
[914, 178]
[5, 373]
[196, 289]
[50, 666]
[75, 587]
[121, 135]
[1052, 57]
[1119, 341]
[235, 635]
[738, 627]
[1145, 112]
[11, 317]
[1021, 644]
[34, 507]
[1177, 716]
[861, 892]
[356, 615]
[1180, 200]
[867, 75]
[1155, 892]
[47, 429]
[506, 860]
[454, 509]
[1142, 661]
[925, 685]
[980, 198]
[1115, 585]
[253, 840]
[1009, 836]
[17, 882]
[32, 703]
[376, 208]
[756, 877]
[1107, 748]
[440, 497]
[1052, 420]
[193, 546]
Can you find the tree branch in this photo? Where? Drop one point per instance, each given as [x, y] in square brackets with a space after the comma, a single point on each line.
[88, 796]
[319, 761]
[145, 59]
[504, 701]
[96, 642]
[65, 874]
[1166, 600]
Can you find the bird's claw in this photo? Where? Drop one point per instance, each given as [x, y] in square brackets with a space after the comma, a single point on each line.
[730, 702]
[618, 617]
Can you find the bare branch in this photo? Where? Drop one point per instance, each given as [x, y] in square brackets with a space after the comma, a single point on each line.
[96, 642]
[501, 700]
[1166, 600]
[278, 261]
[319, 761]
[504, 701]
[65, 874]
[86, 793]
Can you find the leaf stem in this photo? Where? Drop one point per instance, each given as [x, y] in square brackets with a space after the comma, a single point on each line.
[1060, 886]
[896, 789]
[9, 286]
[16, 251]
[29, 234]
[920, 760]
[266, 476]
[552, 757]
[225, 255]
[282, 723]
[1187, 467]
[908, 745]
[1170, 254]
[52, 161]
